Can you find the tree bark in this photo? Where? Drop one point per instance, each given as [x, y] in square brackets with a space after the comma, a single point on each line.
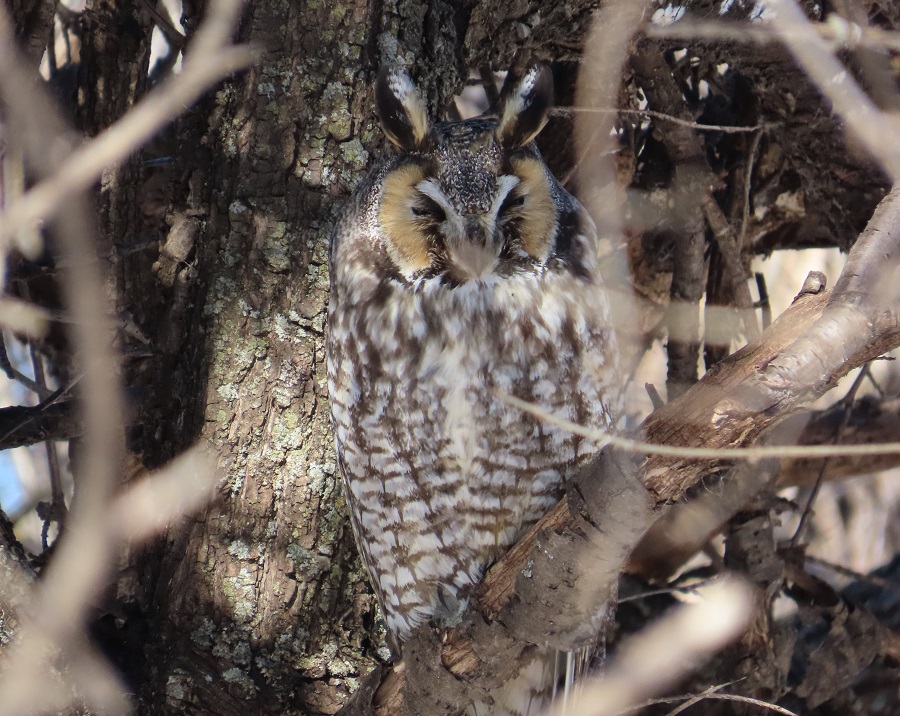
[260, 603]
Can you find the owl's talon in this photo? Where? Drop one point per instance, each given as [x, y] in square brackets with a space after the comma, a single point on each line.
[451, 608]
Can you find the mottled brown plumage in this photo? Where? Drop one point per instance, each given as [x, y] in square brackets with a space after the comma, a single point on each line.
[461, 269]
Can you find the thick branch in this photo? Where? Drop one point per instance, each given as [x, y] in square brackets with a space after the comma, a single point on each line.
[765, 381]
[26, 425]
[683, 530]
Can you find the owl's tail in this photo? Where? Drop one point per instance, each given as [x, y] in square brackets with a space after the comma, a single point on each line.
[549, 679]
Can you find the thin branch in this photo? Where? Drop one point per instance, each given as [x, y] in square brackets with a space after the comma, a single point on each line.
[642, 447]
[763, 303]
[723, 128]
[683, 529]
[872, 579]
[671, 699]
[747, 187]
[725, 697]
[14, 374]
[848, 402]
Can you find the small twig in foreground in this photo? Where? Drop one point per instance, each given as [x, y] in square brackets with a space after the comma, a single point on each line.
[847, 402]
[736, 453]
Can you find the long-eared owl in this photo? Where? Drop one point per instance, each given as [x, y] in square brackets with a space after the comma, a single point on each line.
[460, 270]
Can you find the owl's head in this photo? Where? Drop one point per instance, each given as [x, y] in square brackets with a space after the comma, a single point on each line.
[468, 200]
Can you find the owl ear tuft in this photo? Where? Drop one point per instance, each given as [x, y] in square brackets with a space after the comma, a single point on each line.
[401, 110]
[524, 107]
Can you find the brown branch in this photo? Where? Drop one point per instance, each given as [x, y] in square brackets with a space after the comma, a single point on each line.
[653, 76]
[26, 425]
[818, 340]
[683, 530]
[871, 421]
[693, 184]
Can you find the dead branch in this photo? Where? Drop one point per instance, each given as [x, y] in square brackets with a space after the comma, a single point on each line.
[818, 340]
[689, 270]
[693, 184]
[683, 529]
[872, 421]
[26, 425]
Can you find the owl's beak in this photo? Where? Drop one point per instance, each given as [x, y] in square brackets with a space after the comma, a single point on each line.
[475, 255]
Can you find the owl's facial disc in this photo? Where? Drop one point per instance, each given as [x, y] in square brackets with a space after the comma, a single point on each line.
[473, 239]
[468, 222]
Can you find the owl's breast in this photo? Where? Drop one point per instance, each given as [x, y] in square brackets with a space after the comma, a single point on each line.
[435, 462]
[421, 376]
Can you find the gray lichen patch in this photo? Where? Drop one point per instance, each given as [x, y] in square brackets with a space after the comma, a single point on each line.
[240, 590]
[336, 104]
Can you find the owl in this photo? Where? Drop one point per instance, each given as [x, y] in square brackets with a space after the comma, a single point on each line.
[461, 271]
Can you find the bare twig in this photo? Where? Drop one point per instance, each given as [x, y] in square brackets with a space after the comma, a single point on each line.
[847, 402]
[691, 179]
[14, 374]
[148, 506]
[56, 512]
[682, 530]
[709, 695]
[603, 438]
[763, 303]
[655, 397]
[22, 425]
[747, 186]
[872, 579]
[723, 128]
[607, 48]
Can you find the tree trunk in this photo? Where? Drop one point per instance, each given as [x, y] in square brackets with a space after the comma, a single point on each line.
[260, 603]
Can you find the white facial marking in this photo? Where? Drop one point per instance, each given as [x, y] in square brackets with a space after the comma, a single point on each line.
[505, 185]
[431, 189]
